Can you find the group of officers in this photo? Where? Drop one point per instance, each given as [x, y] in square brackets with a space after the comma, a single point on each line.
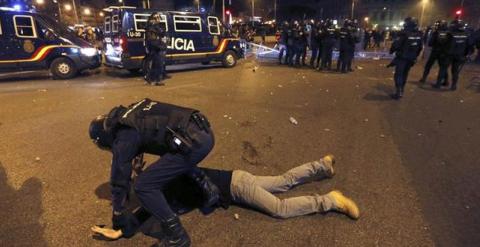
[451, 46]
[321, 37]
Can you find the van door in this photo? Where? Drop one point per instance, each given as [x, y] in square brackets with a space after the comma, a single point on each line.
[213, 26]
[7, 42]
[25, 48]
[188, 36]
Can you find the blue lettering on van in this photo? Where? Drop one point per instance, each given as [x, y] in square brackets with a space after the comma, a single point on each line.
[181, 44]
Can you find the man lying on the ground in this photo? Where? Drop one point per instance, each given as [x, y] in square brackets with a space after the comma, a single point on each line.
[243, 188]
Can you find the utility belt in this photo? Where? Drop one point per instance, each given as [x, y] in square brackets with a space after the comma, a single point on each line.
[180, 140]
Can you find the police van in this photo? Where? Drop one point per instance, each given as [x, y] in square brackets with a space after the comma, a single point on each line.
[192, 38]
[33, 41]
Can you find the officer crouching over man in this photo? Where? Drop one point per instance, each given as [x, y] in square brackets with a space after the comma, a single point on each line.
[183, 138]
[156, 50]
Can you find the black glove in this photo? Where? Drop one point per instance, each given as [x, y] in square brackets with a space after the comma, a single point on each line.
[211, 192]
[126, 222]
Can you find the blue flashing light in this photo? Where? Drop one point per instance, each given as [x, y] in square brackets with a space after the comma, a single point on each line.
[17, 7]
[202, 9]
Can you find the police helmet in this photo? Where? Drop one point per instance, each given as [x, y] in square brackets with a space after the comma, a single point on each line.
[410, 23]
[457, 25]
[99, 135]
[443, 25]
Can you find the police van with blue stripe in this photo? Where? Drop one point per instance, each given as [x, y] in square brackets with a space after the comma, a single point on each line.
[33, 41]
[192, 38]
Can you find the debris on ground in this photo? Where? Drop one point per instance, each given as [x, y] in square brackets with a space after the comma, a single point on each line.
[359, 67]
[225, 116]
[382, 136]
[236, 216]
[255, 68]
[280, 85]
[102, 98]
[37, 159]
[327, 130]
[293, 121]
[42, 90]
[365, 120]
[461, 101]
[376, 58]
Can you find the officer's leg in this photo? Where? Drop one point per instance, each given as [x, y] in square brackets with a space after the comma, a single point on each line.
[428, 66]
[339, 60]
[408, 66]
[314, 56]
[147, 65]
[442, 72]
[319, 57]
[398, 77]
[280, 54]
[329, 58]
[456, 67]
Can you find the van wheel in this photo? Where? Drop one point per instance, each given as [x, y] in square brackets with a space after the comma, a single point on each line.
[63, 68]
[229, 59]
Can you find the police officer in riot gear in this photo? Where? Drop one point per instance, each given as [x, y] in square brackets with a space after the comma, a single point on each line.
[347, 42]
[290, 44]
[407, 46]
[300, 45]
[282, 42]
[458, 48]
[181, 136]
[156, 48]
[315, 44]
[328, 42]
[437, 41]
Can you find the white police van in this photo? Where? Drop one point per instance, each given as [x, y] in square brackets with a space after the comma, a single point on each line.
[193, 38]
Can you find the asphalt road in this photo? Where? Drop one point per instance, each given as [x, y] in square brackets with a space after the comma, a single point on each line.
[412, 166]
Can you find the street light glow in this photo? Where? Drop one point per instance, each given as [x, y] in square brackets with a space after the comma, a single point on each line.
[101, 14]
[40, 2]
[87, 11]
[68, 7]
[366, 19]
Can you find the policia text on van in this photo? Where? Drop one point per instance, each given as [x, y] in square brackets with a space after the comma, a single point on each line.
[32, 41]
[193, 38]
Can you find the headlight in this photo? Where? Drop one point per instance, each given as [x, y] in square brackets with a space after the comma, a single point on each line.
[89, 52]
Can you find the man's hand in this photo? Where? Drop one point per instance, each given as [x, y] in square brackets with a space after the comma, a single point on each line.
[108, 233]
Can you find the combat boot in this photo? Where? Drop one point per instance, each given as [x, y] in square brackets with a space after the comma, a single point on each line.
[454, 86]
[343, 204]
[397, 94]
[174, 234]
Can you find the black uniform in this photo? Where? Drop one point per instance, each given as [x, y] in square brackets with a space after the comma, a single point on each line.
[328, 42]
[315, 45]
[290, 45]
[300, 45]
[407, 46]
[458, 48]
[181, 136]
[347, 42]
[438, 53]
[156, 48]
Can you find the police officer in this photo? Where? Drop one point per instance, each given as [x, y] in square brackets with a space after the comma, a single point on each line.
[181, 136]
[328, 42]
[315, 44]
[300, 45]
[459, 47]
[437, 41]
[156, 48]
[407, 46]
[282, 43]
[290, 43]
[347, 47]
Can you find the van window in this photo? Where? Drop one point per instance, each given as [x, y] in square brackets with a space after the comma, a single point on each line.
[213, 25]
[187, 23]
[24, 26]
[108, 25]
[115, 23]
[141, 22]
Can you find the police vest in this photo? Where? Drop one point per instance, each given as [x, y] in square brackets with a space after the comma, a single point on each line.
[150, 118]
[458, 44]
[411, 46]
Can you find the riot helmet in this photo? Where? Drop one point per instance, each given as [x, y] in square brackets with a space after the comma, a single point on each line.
[443, 25]
[410, 23]
[457, 25]
[102, 138]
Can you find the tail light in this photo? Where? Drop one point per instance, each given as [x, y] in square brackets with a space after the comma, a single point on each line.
[123, 43]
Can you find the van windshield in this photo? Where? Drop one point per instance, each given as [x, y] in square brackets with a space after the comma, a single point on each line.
[59, 28]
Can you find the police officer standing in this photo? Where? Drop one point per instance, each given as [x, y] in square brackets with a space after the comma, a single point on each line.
[290, 44]
[181, 136]
[328, 42]
[459, 47]
[301, 45]
[156, 49]
[437, 41]
[407, 46]
[347, 47]
[315, 44]
[282, 43]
